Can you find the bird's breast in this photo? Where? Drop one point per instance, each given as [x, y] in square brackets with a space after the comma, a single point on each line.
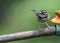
[43, 20]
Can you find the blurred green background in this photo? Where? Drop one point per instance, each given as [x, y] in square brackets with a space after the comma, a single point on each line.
[16, 16]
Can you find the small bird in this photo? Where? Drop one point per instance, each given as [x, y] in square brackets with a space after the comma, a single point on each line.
[42, 16]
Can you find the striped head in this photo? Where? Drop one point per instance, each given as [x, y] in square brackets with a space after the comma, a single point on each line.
[42, 15]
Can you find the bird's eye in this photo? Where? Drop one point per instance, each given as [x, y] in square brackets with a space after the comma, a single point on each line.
[43, 12]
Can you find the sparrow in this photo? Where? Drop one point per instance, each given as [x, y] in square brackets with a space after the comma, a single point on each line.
[42, 16]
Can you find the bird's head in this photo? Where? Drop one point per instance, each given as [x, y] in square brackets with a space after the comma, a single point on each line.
[43, 13]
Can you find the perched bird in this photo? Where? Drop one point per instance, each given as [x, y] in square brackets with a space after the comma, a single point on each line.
[42, 16]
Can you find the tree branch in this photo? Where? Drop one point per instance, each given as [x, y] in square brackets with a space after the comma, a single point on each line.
[28, 34]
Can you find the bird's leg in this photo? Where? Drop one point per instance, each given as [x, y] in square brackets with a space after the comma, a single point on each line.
[47, 24]
[39, 25]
